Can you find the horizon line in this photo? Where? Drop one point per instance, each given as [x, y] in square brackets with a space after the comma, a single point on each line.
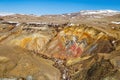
[11, 13]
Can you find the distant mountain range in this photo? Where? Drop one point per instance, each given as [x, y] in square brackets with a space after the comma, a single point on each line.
[89, 17]
[82, 12]
[103, 12]
[5, 14]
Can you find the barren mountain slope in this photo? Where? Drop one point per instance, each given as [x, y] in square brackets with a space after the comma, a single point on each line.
[76, 46]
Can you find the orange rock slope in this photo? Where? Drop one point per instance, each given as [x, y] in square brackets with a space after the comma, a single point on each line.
[74, 41]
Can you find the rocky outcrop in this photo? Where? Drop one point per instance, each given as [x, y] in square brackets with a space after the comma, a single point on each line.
[76, 41]
[101, 66]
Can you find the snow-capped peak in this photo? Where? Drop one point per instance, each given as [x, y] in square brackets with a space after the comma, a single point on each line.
[5, 14]
[101, 12]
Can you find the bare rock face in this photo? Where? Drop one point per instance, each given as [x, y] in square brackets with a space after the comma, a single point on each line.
[75, 41]
[70, 42]
[31, 38]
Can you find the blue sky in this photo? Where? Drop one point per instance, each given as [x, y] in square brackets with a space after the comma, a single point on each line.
[40, 7]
